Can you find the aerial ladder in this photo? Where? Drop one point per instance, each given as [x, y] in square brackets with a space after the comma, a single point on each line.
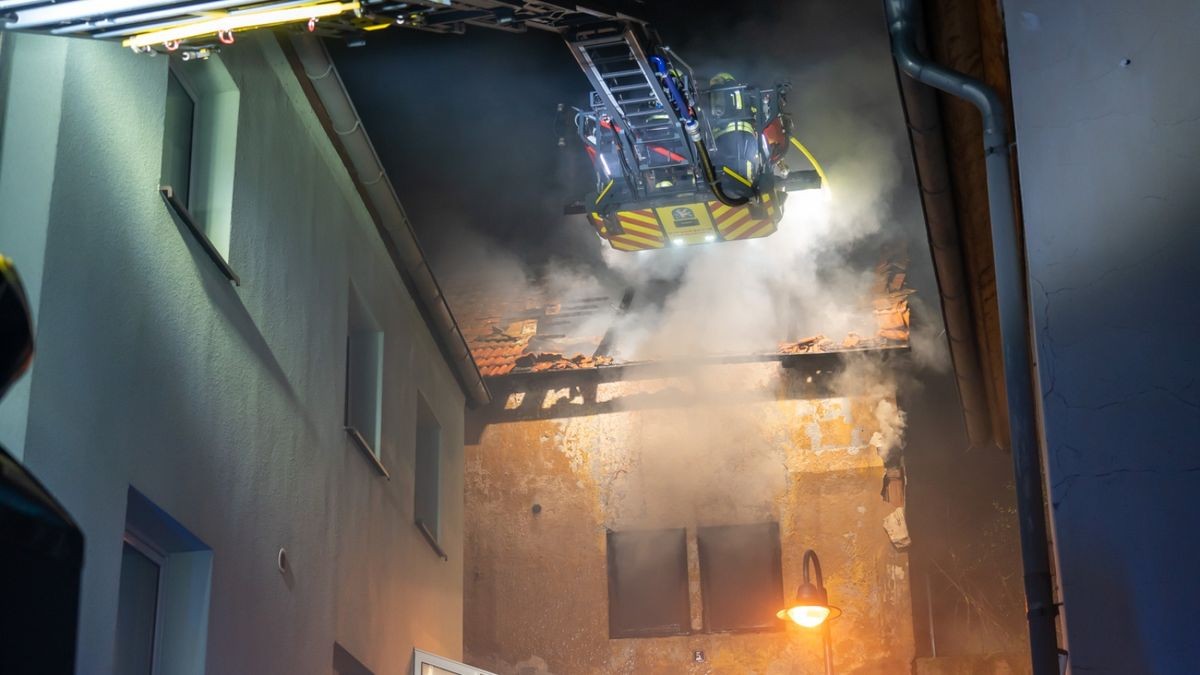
[679, 160]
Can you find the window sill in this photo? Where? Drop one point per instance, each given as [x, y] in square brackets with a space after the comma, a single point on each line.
[365, 447]
[181, 212]
[431, 540]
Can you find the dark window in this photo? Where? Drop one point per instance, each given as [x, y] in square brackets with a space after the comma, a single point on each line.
[427, 491]
[648, 584]
[741, 577]
[364, 378]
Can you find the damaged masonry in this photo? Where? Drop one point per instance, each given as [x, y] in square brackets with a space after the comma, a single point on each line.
[580, 447]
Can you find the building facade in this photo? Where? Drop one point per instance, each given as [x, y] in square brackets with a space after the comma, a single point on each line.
[652, 516]
[202, 353]
[557, 476]
[1107, 144]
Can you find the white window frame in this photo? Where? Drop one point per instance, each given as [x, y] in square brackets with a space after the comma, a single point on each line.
[189, 88]
[184, 585]
[366, 325]
[212, 159]
[431, 531]
[159, 558]
[421, 658]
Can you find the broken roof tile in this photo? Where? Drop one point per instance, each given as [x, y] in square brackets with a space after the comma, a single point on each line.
[525, 330]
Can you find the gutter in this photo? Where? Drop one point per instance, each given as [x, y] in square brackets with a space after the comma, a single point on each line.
[321, 83]
[1012, 296]
[930, 159]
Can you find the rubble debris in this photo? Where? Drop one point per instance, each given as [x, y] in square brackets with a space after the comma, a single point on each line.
[890, 307]
[894, 483]
[543, 361]
[897, 529]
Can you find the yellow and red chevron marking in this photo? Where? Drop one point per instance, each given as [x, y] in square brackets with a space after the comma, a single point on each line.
[735, 222]
[642, 231]
[626, 242]
[641, 222]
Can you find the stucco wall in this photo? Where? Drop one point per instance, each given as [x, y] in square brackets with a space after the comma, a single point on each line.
[223, 404]
[31, 81]
[1108, 134]
[737, 444]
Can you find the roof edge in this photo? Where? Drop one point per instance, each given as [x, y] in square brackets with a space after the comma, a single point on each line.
[318, 78]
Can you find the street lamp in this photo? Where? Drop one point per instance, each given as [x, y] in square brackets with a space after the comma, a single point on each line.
[811, 608]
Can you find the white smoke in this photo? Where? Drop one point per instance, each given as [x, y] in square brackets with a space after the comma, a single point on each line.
[814, 275]
[890, 437]
[876, 381]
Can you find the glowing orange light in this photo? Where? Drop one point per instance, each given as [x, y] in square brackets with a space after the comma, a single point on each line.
[811, 607]
[809, 616]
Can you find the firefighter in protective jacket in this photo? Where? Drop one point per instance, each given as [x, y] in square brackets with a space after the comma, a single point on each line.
[732, 118]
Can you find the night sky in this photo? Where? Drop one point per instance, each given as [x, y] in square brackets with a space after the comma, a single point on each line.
[466, 124]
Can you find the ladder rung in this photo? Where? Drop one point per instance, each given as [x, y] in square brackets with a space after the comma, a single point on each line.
[631, 101]
[669, 140]
[618, 60]
[621, 73]
[660, 126]
[601, 41]
[630, 87]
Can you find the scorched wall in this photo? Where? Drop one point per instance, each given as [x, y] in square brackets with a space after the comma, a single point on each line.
[729, 445]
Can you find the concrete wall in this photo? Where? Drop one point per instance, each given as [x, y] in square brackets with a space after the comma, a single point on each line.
[1108, 133]
[31, 81]
[224, 404]
[739, 444]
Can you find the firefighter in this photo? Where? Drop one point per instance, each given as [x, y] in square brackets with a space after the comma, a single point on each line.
[732, 116]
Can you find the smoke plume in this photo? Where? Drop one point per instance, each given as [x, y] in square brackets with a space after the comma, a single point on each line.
[812, 277]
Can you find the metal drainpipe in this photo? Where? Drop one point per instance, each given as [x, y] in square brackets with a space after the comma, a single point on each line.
[1013, 300]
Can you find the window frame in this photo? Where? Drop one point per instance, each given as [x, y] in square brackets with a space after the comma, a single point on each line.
[207, 106]
[373, 452]
[616, 632]
[360, 321]
[183, 591]
[708, 595]
[423, 658]
[140, 544]
[174, 72]
[426, 414]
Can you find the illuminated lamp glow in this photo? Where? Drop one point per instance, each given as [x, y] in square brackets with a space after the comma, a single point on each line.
[811, 607]
[241, 21]
[809, 616]
[677, 242]
[710, 237]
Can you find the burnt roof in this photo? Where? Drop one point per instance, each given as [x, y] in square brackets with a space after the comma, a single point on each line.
[529, 329]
